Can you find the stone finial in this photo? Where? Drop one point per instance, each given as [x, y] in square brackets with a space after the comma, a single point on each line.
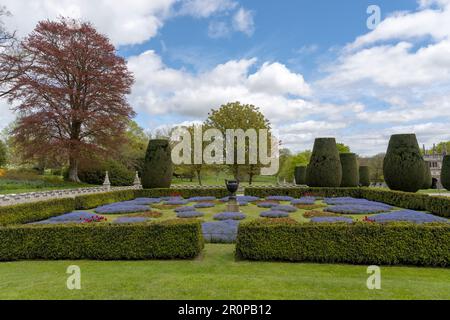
[137, 181]
[107, 183]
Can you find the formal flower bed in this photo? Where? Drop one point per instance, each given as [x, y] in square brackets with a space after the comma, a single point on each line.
[184, 209]
[73, 217]
[304, 200]
[274, 214]
[203, 205]
[190, 214]
[175, 202]
[229, 216]
[220, 231]
[146, 201]
[331, 219]
[357, 209]
[408, 216]
[121, 207]
[355, 201]
[200, 199]
[280, 198]
[122, 220]
[284, 208]
[267, 204]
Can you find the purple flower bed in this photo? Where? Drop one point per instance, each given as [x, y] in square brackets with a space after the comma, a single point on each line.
[73, 217]
[304, 200]
[184, 209]
[243, 203]
[196, 199]
[230, 216]
[220, 231]
[242, 199]
[357, 209]
[267, 204]
[408, 216]
[176, 202]
[279, 198]
[274, 214]
[203, 205]
[355, 201]
[122, 207]
[169, 198]
[331, 219]
[190, 214]
[284, 208]
[146, 201]
[122, 220]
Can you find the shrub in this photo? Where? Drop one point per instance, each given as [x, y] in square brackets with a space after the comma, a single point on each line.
[90, 201]
[119, 174]
[403, 165]
[427, 178]
[350, 171]
[220, 231]
[357, 243]
[189, 214]
[172, 239]
[158, 170]
[274, 214]
[229, 216]
[300, 175]
[35, 211]
[183, 192]
[324, 169]
[445, 172]
[364, 176]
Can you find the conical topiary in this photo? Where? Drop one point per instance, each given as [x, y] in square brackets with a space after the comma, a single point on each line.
[403, 165]
[300, 175]
[157, 170]
[364, 176]
[350, 170]
[324, 169]
[445, 173]
[427, 178]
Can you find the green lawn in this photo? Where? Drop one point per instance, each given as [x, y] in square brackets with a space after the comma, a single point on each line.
[216, 275]
[36, 184]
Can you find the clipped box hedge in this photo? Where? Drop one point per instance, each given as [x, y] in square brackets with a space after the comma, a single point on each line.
[359, 243]
[183, 192]
[35, 211]
[172, 239]
[94, 200]
[439, 206]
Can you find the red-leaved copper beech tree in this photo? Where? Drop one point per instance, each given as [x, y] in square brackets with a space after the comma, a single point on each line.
[71, 97]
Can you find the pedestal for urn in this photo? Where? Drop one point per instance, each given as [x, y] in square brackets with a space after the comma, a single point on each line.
[232, 187]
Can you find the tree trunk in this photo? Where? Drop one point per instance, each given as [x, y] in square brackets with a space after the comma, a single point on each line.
[73, 170]
[199, 177]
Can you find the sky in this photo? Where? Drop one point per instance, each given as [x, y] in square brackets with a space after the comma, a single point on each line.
[314, 68]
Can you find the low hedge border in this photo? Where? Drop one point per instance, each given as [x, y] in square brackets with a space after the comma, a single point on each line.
[358, 243]
[90, 201]
[172, 239]
[183, 192]
[439, 206]
[35, 211]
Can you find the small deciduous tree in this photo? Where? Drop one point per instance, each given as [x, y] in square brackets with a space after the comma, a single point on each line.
[71, 95]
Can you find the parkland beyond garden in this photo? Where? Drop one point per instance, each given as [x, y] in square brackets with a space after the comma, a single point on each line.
[163, 241]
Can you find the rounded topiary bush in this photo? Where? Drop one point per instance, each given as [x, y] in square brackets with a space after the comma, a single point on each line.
[324, 169]
[427, 178]
[445, 173]
[300, 175]
[350, 170]
[364, 176]
[403, 165]
[158, 170]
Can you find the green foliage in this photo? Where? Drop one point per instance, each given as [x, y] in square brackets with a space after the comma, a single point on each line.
[439, 206]
[158, 170]
[289, 162]
[364, 176]
[172, 239]
[324, 169]
[31, 212]
[90, 201]
[350, 171]
[445, 172]
[427, 178]
[403, 165]
[183, 192]
[342, 148]
[359, 243]
[3, 154]
[119, 174]
[300, 175]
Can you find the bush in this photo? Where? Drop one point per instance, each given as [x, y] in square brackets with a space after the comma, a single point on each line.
[95, 200]
[427, 178]
[31, 212]
[357, 243]
[300, 175]
[183, 192]
[364, 176]
[403, 165]
[158, 170]
[445, 173]
[119, 174]
[324, 169]
[350, 171]
[161, 240]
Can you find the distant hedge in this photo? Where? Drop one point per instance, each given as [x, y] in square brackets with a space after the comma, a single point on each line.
[358, 243]
[35, 211]
[439, 206]
[364, 176]
[172, 239]
[90, 201]
[182, 192]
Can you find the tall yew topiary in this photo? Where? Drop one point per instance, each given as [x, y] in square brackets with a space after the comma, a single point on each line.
[350, 171]
[403, 165]
[324, 169]
[300, 175]
[445, 173]
[427, 178]
[158, 170]
[364, 176]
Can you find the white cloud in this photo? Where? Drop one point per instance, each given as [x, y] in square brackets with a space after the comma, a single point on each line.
[243, 21]
[205, 8]
[218, 29]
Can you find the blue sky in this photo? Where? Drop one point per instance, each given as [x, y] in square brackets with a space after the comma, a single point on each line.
[313, 67]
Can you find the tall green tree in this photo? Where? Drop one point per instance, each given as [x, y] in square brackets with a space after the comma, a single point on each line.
[287, 168]
[3, 154]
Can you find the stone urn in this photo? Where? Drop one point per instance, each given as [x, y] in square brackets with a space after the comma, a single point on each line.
[232, 187]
